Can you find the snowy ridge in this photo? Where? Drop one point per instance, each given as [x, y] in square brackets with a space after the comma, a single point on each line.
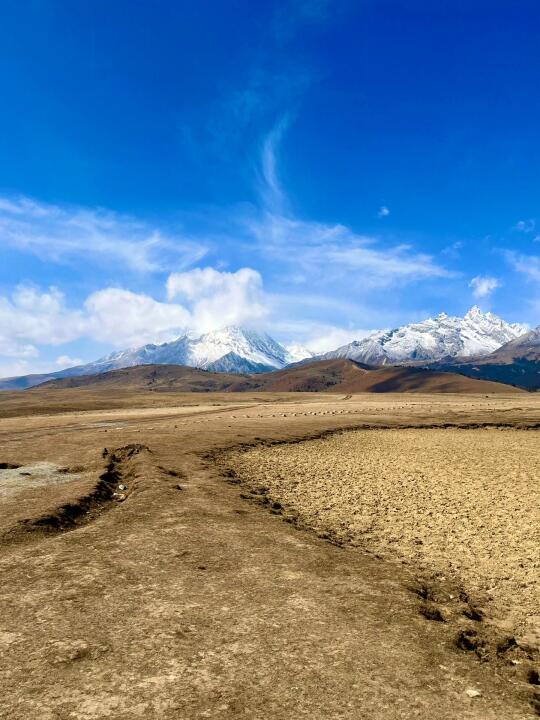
[475, 334]
[231, 349]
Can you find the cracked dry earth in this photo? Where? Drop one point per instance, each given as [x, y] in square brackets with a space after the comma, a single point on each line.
[150, 587]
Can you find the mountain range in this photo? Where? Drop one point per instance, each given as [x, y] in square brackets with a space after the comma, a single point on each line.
[475, 334]
[460, 343]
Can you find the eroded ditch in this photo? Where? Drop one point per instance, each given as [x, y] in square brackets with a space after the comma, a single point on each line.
[123, 467]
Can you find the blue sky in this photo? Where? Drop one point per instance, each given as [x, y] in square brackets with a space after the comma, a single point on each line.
[313, 168]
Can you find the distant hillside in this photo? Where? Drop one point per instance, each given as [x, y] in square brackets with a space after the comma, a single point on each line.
[159, 378]
[350, 377]
[319, 376]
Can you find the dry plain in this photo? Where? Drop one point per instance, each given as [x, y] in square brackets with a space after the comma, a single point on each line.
[156, 580]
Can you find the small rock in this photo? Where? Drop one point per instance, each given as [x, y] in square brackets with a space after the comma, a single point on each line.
[122, 487]
[472, 693]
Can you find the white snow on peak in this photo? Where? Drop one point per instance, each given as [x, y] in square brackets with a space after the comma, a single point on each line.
[298, 352]
[444, 336]
[243, 347]
[256, 347]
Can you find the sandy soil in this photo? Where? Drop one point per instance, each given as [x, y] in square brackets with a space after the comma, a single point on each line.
[14, 481]
[188, 600]
[461, 503]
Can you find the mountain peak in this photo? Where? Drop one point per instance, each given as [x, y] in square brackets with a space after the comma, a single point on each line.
[476, 311]
[475, 334]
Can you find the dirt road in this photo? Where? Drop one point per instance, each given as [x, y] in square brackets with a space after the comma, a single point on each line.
[184, 600]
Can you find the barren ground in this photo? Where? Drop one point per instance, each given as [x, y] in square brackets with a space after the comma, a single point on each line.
[150, 587]
[461, 504]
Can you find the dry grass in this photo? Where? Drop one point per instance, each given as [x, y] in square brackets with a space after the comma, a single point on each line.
[464, 503]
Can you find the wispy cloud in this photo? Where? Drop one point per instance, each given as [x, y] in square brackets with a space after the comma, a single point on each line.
[272, 194]
[66, 361]
[526, 226]
[322, 251]
[453, 251]
[383, 212]
[483, 285]
[528, 265]
[326, 253]
[66, 234]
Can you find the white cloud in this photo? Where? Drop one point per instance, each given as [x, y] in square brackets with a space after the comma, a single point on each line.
[383, 212]
[528, 265]
[483, 285]
[14, 368]
[331, 253]
[30, 316]
[453, 250]
[525, 226]
[272, 193]
[325, 252]
[328, 337]
[65, 361]
[210, 299]
[112, 315]
[125, 318]
[65, 233]
[216, 299]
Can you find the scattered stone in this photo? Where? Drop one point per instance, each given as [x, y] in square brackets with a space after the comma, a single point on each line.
[472, 693]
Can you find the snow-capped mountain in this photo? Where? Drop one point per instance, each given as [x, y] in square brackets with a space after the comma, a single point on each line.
[231, 349]
[475, 334]
[237, 348]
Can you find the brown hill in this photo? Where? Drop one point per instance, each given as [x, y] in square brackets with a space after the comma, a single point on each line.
[319, 376]
[160, 378]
